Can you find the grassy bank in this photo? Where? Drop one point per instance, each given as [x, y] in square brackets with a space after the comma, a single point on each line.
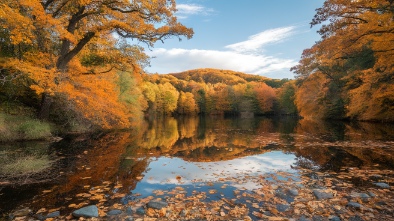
[14, 128]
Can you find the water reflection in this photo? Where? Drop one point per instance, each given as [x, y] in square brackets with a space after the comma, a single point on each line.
[194, 151]
[165, 171]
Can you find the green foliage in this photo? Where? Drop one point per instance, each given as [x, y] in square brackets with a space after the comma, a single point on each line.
[93, 60]
[286, 99]
[33, 129]
[365, 59]
[201, 100]
[22, 128]
[276, 83]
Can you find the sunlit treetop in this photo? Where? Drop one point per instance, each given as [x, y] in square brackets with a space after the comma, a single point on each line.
[348, 28]
[70, 25]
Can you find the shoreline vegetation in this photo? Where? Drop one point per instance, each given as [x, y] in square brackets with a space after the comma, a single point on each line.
[23, 128]
[149, 96]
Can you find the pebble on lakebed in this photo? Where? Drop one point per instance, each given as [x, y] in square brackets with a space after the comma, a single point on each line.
[330, 196]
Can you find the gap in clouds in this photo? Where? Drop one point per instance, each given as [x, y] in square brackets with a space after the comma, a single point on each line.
[246, 56]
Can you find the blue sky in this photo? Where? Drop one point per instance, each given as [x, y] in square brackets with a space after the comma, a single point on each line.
[264, 37]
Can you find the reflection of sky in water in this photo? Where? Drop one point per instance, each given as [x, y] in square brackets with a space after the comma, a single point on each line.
[163, 171]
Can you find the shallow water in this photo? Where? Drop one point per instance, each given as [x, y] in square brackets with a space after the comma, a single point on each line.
[223, 158]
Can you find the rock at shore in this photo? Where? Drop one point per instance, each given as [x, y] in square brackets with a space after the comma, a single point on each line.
[320, 195]
[88, 211]
[382, 185]
[157, 204]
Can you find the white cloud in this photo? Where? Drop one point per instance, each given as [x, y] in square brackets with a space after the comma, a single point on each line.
[246, 56]
[177, 60]
[165, 170]
[184, 10]
[257, 41]
[189, 9]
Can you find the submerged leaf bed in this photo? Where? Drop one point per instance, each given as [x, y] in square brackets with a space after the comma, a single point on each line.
[351, 194]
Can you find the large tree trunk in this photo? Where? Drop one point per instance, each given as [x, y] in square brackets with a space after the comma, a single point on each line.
[66, 56]
[46, 102]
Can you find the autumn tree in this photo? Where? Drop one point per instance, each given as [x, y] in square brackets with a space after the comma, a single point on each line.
[309, 95]
[53, 42]
[243, 100]
[166, 99]
[265, 97]
[187, 104]
[355, 55]
[226, 92]
[286, 97]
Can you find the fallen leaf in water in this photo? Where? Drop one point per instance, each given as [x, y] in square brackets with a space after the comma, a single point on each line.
[212, 191]
[42, 210]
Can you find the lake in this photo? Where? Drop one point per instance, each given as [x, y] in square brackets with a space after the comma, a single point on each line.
[207, 168]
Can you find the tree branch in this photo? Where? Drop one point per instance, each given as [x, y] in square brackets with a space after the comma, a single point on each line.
[7, 78]
[101, 72]
[64, 59]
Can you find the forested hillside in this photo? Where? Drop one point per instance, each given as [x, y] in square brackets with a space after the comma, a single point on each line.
[218, 92]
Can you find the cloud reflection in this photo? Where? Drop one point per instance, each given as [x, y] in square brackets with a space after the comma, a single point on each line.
[164, 170]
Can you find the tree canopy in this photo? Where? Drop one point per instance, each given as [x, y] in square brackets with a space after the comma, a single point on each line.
[78, 51]
[355, 58]
[68, 26]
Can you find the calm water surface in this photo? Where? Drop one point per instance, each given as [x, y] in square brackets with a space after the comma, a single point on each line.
[214, 154]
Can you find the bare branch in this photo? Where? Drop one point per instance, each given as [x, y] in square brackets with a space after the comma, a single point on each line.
[7, 78]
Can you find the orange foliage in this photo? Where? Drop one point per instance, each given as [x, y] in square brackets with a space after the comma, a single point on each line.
[355, 55]
[377, 98]
[265, 96]
[308, 95]
[96, 99]
[187, 104]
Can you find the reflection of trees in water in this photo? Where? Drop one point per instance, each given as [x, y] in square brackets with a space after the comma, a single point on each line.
[123, 156]
[373, 131]
[325, 130]
[336, 144]
[210, 138]
[340, 130]
[187, 126]
[88, 162]
[161, 133]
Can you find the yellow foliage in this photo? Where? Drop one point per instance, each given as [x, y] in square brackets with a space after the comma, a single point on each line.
[187, 104]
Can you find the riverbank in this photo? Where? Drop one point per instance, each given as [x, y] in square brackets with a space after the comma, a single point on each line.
[22, 127]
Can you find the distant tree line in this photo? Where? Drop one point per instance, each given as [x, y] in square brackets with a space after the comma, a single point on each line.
[217, 92]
